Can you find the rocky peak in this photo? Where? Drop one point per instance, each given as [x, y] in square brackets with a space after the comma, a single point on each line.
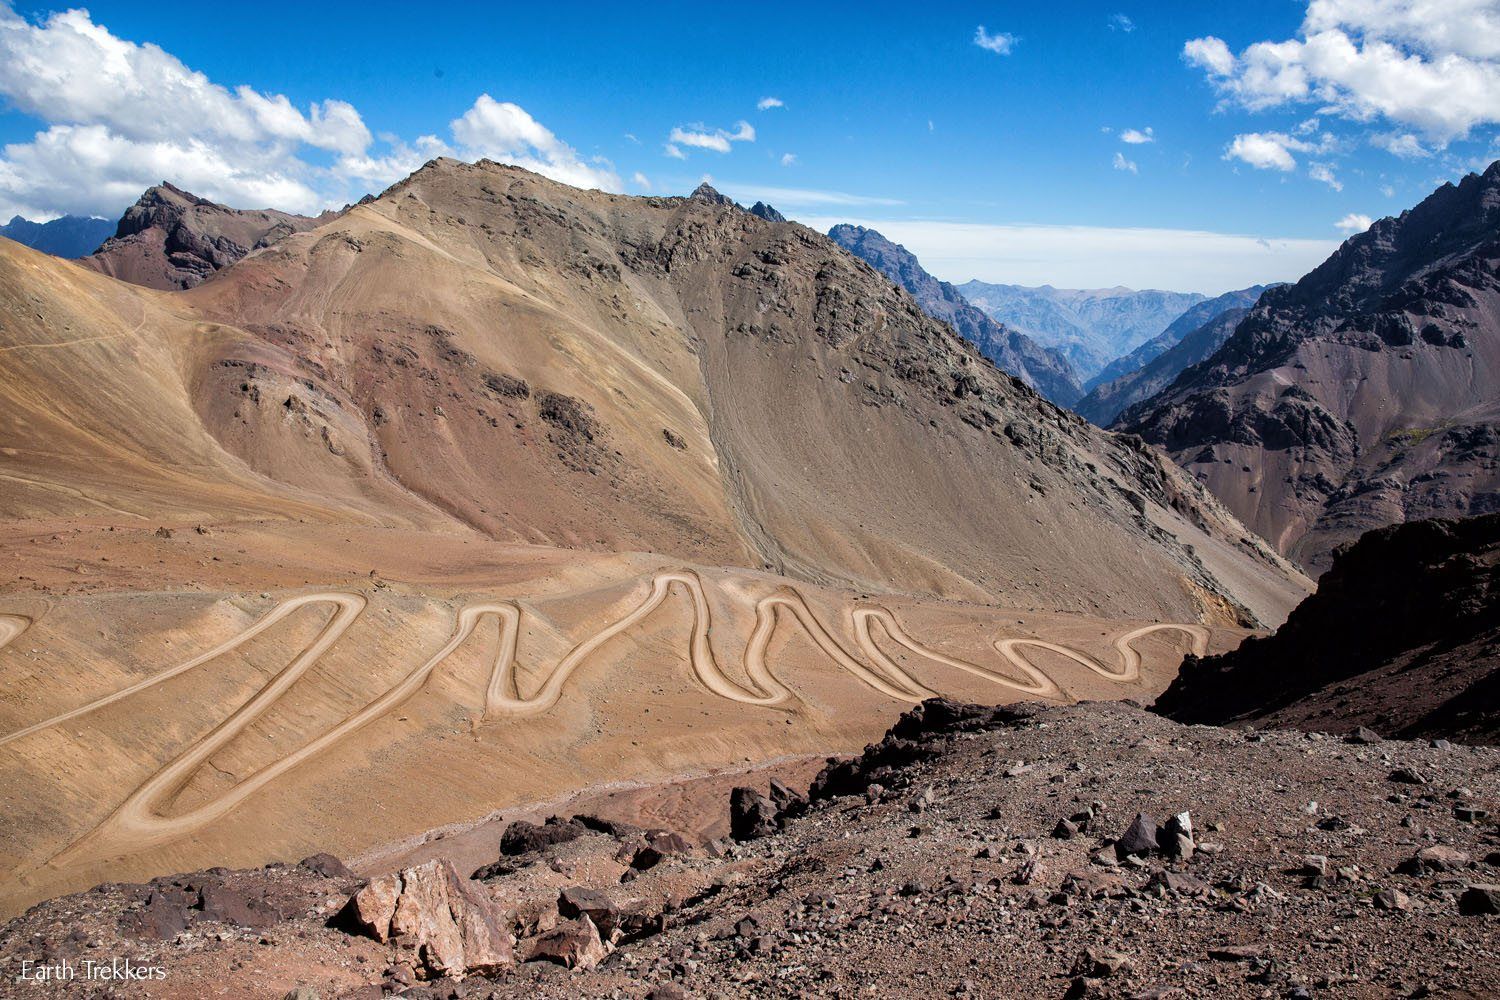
[766, 212]
[706, 192]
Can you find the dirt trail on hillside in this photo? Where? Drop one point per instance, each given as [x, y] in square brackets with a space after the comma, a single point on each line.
[144, 819]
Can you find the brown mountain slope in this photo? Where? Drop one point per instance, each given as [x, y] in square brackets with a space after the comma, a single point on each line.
[527, 354]
[172, 239]
[1368, 393]
[483, 480]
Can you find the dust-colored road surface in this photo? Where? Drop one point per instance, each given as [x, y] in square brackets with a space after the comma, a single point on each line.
[144, 820]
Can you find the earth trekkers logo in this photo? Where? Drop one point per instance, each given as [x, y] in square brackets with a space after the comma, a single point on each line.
[68, 970]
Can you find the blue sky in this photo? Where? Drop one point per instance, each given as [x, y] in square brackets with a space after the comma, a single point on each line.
[1274, 129]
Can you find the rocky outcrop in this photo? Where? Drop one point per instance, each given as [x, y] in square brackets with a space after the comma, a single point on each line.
[1402, 637]
[1048, 372]
[170, 239]
[1366, 394]
[766, 212]
[449, 924]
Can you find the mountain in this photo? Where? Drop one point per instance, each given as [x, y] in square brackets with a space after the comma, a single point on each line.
[1091, 327]
[1402, 636]
[1108, 400]
[68, 236]
[171, 239]
[766, 212]
[1195, 318]
[1048, 372]
[532, 488]
[1366, 394]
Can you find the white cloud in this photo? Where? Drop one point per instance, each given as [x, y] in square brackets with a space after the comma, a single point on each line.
[119, 117]
[701, 137]
[1266, 150]
[500, 130]
[1095, 257]
[1120, 163]
[767, 103]
[1432, 66]
[1353, 223]
[1388, 190]
[1137, 137]
[1324, 172]
[673, 151]
[788, 159]
[1000, 44]
[799, 196]
[1402, 144]
[641, 181]
[1120, 22]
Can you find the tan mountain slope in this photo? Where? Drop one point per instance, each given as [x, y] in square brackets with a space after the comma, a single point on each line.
[575, 368]
[503, 489]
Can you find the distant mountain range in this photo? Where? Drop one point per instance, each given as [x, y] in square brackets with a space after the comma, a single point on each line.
[1091, 327]
[1046, 371]
[1366, 394]
[68, 236]
[1151, 367]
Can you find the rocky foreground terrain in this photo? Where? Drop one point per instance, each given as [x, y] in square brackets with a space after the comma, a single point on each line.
[1089, 850]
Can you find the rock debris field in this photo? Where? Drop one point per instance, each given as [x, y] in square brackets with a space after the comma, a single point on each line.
[1087, 850]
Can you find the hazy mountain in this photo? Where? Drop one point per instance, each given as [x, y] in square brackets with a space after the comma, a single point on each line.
[1365, 394]
[1091, 327]
[68, 236]
[171, 239]
[1044, 370]
[1193, 319]
[1108, 400]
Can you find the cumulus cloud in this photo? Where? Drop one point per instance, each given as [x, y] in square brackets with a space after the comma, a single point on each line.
[1137, 137]
[120, 116]
[1000, 44]
[1425, 66]
[1271, 150]
[1120, 163]
[641, 181]
[788, 159]
[1402, 144]
[1353, 223]
[1324, 172]
[500, 130]
[767, 103]
[701, 137]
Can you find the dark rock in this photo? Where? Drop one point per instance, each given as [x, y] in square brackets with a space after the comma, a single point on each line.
[574, 944]
[1480, 900]
[577, 901]
[1138, 838]
[751, 815]
[327, 865]
[522, 837]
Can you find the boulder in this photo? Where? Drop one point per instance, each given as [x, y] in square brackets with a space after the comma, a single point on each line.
[1139, 838]
[326, 865]
[522, 837]
[573, 944]
[581, 901]
[751, 815]
[451, 924]
[1480, 901]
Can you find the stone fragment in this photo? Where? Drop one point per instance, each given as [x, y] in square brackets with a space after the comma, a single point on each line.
[573, 944]
[451, 925]
[1139, 838]
[751, 815]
